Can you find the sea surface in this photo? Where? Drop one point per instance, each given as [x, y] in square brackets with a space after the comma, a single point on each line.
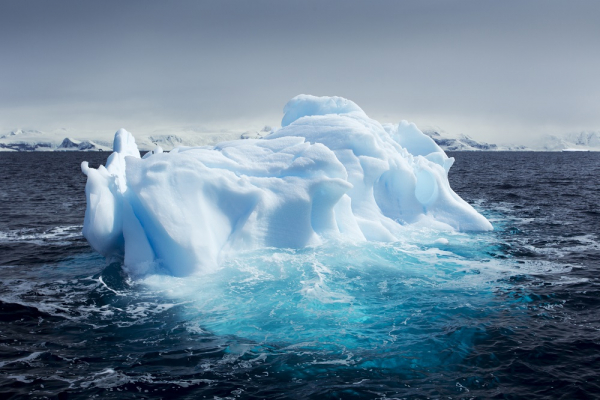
[508, 314]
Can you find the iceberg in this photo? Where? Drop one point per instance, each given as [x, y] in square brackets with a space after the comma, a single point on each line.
[329, 173]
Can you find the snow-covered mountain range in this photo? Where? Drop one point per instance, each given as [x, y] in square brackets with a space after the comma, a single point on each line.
[458, 143]
[35, 140]
[583, 141]
[572, 141]
[64, 140]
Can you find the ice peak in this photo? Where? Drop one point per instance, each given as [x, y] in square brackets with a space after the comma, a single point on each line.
[305, 105]
[124, 143]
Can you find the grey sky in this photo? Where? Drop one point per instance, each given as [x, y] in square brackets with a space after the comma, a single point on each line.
[497, 70]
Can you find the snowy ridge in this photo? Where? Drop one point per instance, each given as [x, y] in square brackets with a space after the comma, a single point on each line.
[582, 141]
[256, 134]
[459, 143]
[462, 142]
[63, 140]
[571, 141]
[330, 173]
[81, 145]
[35, 140]
[20, 132]
[187, 138]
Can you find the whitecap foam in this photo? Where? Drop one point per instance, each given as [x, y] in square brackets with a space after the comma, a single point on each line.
[27, 359]
[55, 236]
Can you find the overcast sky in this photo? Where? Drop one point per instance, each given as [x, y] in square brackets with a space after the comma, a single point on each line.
[496, 70]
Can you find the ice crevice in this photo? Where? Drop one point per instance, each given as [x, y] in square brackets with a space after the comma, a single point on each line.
[329, 173]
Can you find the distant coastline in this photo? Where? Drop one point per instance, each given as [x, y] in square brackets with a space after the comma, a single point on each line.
[38, 141]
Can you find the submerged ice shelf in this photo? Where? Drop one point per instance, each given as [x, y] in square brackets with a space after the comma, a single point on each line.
[329, 173]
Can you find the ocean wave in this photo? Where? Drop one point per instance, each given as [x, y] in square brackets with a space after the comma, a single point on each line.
[55, 236]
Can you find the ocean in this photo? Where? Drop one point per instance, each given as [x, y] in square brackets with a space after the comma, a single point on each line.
[508, 314]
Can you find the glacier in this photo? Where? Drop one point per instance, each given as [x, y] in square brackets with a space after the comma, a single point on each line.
[329, 173]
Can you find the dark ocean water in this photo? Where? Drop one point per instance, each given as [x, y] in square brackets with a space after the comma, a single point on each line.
[510, 314]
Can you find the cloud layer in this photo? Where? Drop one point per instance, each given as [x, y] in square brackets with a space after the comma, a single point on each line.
[494, 70]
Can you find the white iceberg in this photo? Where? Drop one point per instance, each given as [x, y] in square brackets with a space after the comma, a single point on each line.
[329, 173]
